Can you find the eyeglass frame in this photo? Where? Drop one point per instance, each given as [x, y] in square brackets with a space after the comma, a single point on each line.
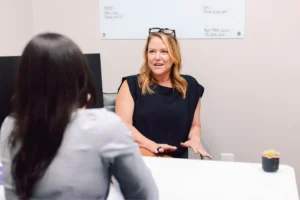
[161, 30]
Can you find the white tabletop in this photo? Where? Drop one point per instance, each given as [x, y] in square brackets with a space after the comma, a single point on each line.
[214, 180]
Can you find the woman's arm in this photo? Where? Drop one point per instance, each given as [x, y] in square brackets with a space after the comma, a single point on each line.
[124, 108]
[121, 154]
[195, 132]
[194, 139]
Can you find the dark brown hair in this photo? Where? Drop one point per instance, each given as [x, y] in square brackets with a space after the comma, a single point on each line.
[52, 81]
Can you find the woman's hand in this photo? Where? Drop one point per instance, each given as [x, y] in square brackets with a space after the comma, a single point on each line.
[195, 144]
[159, 148]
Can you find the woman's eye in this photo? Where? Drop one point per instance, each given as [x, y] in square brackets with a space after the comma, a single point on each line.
[151, 51]
[164, 52]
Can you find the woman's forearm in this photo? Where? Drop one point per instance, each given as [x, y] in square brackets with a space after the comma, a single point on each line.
[195, 133]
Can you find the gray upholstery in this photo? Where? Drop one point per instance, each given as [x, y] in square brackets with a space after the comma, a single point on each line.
[109, 100]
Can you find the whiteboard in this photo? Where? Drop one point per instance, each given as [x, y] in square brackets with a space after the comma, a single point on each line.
[191, 19]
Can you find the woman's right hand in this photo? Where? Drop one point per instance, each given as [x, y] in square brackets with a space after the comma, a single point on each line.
[159, 148]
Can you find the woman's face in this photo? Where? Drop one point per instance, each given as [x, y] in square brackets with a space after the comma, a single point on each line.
[159, 60]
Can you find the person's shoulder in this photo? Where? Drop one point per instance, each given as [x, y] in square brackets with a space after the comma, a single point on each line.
[9, 120]
[8, 123]
[190, 79]
[105, 129]
[129, 78]
[194, 87]
[7, 127]
[132, 81]
[99, 121]
[99, 117]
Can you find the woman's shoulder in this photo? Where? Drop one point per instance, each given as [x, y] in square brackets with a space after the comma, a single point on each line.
[104, 128]
[132, 82]
[6, 127]
[96, 117]
[99, 120]
[131, 78]
[8, 121]
[194, 87]
[189, 78]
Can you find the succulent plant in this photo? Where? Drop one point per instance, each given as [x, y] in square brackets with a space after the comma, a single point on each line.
[271, 154]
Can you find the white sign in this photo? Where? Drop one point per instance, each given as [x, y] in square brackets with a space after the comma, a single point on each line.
[191, 19]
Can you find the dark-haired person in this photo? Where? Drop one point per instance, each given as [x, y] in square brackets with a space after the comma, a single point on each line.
[52, 148]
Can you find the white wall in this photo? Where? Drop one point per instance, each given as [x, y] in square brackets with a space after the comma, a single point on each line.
[251, 101]
[77, 19]
[15, 25]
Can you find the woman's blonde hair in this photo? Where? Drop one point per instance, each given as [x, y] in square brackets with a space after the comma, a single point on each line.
[145, 78]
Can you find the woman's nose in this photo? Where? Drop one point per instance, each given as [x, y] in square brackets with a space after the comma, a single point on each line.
[157, 56]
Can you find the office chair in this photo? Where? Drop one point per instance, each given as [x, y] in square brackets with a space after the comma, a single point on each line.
[109, 101]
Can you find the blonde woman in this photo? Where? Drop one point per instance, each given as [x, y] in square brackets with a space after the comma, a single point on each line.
[160, 106]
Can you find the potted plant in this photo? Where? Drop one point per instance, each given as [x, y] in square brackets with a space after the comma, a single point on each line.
[270, 161]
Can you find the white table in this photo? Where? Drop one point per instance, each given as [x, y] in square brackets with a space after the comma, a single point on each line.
[215, 180]
[179, 179]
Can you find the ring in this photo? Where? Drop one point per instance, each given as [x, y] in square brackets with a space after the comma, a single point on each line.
[158, 149]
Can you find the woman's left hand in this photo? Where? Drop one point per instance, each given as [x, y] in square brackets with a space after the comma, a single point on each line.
[196, 145]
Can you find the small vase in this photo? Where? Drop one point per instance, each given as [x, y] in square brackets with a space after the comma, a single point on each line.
[270, 164]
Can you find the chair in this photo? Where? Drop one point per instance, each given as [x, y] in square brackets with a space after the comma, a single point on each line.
[109, 101]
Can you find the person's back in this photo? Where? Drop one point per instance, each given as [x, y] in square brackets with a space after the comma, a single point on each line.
[54, 148]
[95, 141]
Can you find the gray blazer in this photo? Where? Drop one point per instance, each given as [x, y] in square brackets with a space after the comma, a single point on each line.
[96, 145]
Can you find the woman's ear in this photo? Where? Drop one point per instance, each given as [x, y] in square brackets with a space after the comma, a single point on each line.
[87, 100]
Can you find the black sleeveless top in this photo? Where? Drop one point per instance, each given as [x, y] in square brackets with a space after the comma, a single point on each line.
[165, 117]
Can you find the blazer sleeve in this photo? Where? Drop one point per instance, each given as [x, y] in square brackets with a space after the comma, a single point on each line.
[127, 165]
